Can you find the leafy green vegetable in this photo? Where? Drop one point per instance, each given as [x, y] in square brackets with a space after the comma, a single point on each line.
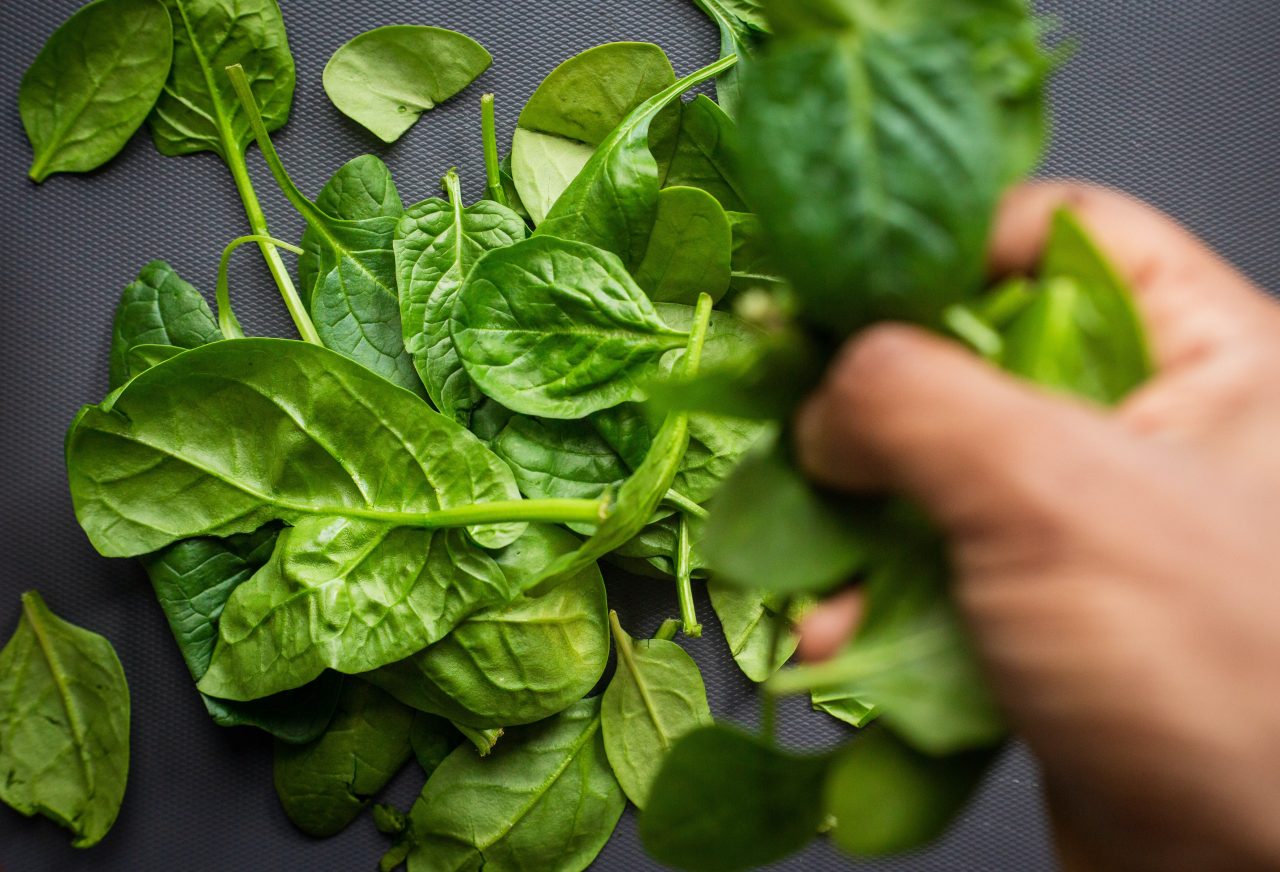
[558, 459]
[437, 242]
[385, 78]
[323, 785]
[886, 797]
[742, 25]
[613, 201]
[726, 801]
[656, 696]
[93, 83]
[690, 249]
[432, 739]
[544, 799]
[704, 154]
[558, 329]
[64, 724]
[759, 634]
[157, 309]
[576, 108]
[518, 663]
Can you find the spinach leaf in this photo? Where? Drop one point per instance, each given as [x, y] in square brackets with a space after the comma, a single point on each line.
[544, 799]
[348, 595]
[844, 706]
[726, 801]
[355, 303]
[704, 153]
[215, 441]
[558, 459]
[157, 309]
[558, 329]
[432, 739]
[385, 78]
[612, 202]
[887, 798]
[324, 784]
[576, 108]
[876, 186]
[437, 242]
[93, 83]
[193, 580]
[751, 261]
[742, 26]
[64, 724]
[518, 663]
[656, 696]
[690, 249]
[759, 632]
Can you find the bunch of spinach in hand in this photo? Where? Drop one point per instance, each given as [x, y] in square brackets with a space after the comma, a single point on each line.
[390, 540]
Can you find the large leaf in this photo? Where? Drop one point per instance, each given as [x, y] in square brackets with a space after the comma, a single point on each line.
[64, 724]
[613, 201]
[437, 242]
[93, 84]
[227, 437]
[727, 801]
[197, 110]
[576, 108]
[385, 78]
[544, 799]
[558, 329]
[324, 784]
[655, 697]
[518, 663]
[157, 309]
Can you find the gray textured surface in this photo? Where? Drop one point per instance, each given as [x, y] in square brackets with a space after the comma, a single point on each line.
[1173, 100]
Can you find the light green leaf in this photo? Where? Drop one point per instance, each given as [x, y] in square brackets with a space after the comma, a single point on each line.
[690, 249]
[159, 309]
[742, 26]
[761, 638]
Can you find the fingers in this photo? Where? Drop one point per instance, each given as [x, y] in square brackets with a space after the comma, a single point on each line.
[825, 630]
[905, 410]
[1191, 299]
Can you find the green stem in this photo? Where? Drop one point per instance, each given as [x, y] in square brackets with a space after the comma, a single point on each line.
[499, 512]
[697, 336]
[492, 169]
[227, 321]
[970, 329]
[686, 505]
[667, 632]
[684, 581]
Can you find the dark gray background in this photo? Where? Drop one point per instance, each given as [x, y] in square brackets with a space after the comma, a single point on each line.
[1172, 100]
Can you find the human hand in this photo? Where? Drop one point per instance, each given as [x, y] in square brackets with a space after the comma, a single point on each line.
[1118, 568]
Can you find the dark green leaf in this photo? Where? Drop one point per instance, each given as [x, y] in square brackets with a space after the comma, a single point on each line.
[558, 329]
[727, 801]
[704, 153]
[64, 724]
[544, 799]
[385, 78]
[690, 248]
[433, 739]
[656, 697]
[558, 459]
[158, 309]
[323, 785]
[93, 84]
[437, 242]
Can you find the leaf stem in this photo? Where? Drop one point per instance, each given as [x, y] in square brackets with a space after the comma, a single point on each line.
[684, 581]
[667, 632]
[492, 167]
[227, 321]
[498, 512]
[697, 336]
[686, 505]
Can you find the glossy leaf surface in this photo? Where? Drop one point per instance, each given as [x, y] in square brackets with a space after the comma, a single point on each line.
[159, 308]
[690, 249]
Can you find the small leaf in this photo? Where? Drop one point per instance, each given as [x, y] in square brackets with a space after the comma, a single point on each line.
[158, 309]
[690, 249]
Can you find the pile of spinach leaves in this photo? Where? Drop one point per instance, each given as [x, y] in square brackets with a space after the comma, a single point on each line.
[389, 539]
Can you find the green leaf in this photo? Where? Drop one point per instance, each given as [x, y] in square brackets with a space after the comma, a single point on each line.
[613, 201]
[761, 637]
[704, 155]
[576, 108]
[433, 739]
[385, 78]
[1081, 333]
[875, 185]
[558, 459]
[64, 724]
[558, 329]
[193, 580]
[742, 26]
[157, 309]
[887, 798]
[229, 436]
[727, 801]
[518, 663]
[323, 785]
[690, 249]
[656, 696]
[437, 242]
[544, 799]
[197, 110]
[844, 706]
[93, 84]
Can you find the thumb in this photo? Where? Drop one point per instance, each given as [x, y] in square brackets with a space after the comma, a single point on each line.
[905, 410]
